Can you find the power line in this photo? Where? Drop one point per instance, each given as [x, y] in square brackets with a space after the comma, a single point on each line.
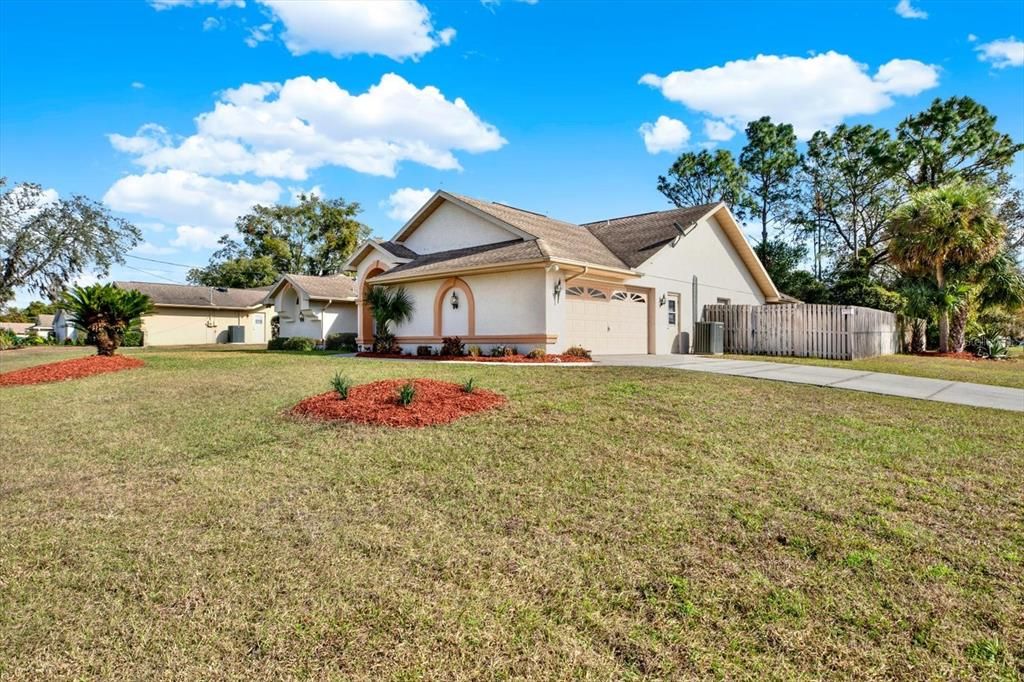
[162, 262]
[153, 274]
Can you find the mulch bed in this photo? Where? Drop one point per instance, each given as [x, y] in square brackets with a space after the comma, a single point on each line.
[68, 369]
[436, 402]
[521, 359]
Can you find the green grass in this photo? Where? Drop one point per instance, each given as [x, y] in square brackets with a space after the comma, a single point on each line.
[1009, 372]
[608, 523]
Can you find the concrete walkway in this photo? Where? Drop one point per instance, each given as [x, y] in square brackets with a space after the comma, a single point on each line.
[957, 392]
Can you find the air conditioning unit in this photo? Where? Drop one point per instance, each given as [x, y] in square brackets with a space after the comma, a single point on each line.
[709, 338]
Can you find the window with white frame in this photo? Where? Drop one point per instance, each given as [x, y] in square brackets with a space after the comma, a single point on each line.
[672, 311]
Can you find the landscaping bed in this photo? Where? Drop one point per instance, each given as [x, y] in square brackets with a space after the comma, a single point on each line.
[68, 369]
[435, 402]
[520, 359]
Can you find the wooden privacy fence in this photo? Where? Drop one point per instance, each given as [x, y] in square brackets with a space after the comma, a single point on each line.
[833, 332]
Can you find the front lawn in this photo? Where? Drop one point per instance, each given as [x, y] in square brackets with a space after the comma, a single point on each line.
[1009, 372]
[172, 522]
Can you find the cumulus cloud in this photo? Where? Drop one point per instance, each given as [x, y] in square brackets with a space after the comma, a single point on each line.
[159, 5]
[1002, 53]
[718, 131]
[664, 135]
[812, 93]
[151, 249]
[287, 129]
[195, 238]
[212, 24]
[185, 198]
[905, 9]
[404, 202]
[259, 34]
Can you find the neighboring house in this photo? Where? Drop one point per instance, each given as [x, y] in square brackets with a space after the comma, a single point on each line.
[495, 274]
[315, 307]
[64, 326]
[43, 325]
[20, 329]
[192, 315]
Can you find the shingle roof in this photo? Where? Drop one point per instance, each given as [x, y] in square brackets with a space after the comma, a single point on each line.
[396, 249]
[636, 238]
[336, 287]
[44, 320]
[561, 239]
[471, 257]
[196, 296]
[17, 327]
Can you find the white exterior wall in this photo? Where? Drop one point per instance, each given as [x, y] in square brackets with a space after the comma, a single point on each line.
[335, 317]
[707, 253]
[452, 227]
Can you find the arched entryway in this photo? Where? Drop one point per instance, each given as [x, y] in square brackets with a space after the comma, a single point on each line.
[454, 309]
[364, 311]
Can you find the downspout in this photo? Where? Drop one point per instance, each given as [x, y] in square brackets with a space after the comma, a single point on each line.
[585, 270]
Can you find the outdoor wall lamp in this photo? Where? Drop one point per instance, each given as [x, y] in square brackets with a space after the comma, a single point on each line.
[661, 301]
[557, 290]
[455, 301]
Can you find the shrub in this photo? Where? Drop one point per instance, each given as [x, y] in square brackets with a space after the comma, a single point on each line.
[276, 344]
[345, 341]
[386, 343]
[577, 352]
[501, 351]
[133, 339]
[68, 341]
[406, 394]
[452, 345]
[469, 386]
[990, 345]
[32, 341]
[341, 384]
[424, 351]
[7, 339]
[301, 343]
[537, 353]
[475, 351]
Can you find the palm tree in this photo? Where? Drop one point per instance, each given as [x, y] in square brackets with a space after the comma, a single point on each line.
[996, 283]
[952, 225]
[389, 307]
[105, 313]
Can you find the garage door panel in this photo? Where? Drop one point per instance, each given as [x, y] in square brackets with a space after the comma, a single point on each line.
[607, 326]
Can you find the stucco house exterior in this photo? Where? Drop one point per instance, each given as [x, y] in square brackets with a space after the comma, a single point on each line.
[495, 274]
[314, 307]
[186, 315]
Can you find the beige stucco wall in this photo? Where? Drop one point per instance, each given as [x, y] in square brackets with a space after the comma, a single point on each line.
[335, 316]
[452, 227]
[169, 326]
[707, 254]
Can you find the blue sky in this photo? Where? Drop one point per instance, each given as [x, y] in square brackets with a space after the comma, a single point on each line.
[540, 105]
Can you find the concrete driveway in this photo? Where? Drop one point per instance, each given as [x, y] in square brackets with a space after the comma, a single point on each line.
[957, 392]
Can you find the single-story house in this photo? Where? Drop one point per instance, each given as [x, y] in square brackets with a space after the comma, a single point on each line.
[43, 326]
[314, 307]
[19, 329]
[495, 274]
[193, 315]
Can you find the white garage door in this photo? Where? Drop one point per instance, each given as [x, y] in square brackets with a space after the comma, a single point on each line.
[606, 321]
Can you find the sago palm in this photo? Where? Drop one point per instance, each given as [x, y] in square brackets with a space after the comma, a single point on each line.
[939, 228]
[106, 312]
[389, 307]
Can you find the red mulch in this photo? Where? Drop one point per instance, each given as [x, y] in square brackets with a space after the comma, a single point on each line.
[436, 402]
[68, 369]
[552, 359]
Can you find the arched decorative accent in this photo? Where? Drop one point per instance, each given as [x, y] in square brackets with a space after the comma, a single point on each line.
[439, 301]
[364, 312]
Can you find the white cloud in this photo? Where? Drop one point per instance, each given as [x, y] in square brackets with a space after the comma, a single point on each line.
[812, 93]
[159, 5]
[286, 130]
[400, 29]
[212, 23]
[664, 135]
[185, 198]
[404, 202]
[259, 34]
[905, 9]
[718, 131]
[196, 238]
[971, 38]
[138, 85]
[1002, 53]
[151, 249]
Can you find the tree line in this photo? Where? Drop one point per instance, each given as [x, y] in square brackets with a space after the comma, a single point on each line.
[923, 221]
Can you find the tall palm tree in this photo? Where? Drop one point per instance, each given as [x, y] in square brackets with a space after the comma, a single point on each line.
[106, 312]
[949, 226]
[389, 307]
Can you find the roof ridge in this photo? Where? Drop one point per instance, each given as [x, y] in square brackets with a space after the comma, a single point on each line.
[638, 215]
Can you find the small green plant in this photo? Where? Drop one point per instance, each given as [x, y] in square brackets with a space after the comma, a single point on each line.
[536, 353]
[502, 351]
[345, 342]
[469, 386]
[7, 339]
[341, 384]
[452, 346]
[406, 394]
[577, 352]
[474, 351]
[424, 351]
[276, 343]
[301, 343]
[985, 650]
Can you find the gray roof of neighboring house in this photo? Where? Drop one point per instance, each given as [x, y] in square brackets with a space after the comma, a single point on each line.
[636, 238]
[474, 256]
[197, 296]
[336, 287]
[44, 321]
[561, 239]
[17, 327]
